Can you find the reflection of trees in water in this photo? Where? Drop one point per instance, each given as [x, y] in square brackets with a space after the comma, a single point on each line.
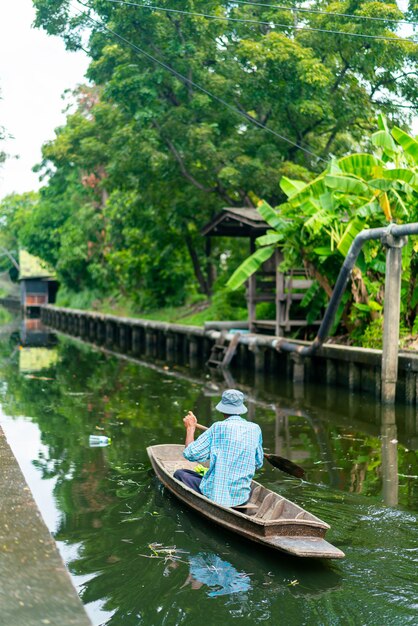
[112, 510]
[93, 393]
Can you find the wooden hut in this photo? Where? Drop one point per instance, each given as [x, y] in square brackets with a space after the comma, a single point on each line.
[268, 284]
[38, 283]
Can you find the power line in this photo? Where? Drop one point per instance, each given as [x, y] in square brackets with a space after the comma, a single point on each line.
[295, 9]
[188, 81]
[394, 39]
[327, 13]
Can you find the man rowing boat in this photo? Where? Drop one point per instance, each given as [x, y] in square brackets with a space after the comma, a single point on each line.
[234, 448]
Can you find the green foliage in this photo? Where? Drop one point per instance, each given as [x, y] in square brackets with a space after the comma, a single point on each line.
[5, 316]
[317, 225]
[249, 266]
[372, 337]
[144, 159]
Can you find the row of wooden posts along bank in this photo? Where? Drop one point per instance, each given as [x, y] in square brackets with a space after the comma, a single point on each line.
[358, 369]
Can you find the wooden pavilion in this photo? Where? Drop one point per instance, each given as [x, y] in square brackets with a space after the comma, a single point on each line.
[268, 284]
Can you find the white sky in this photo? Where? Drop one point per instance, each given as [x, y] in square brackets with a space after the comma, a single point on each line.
[35, 70]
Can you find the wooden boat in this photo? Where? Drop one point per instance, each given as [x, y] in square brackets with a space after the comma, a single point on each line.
[267, 518]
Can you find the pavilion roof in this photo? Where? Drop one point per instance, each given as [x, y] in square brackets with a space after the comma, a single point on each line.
[236, 222]
[33, 267]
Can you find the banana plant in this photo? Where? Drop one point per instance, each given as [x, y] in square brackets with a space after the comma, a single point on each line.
[320, 219]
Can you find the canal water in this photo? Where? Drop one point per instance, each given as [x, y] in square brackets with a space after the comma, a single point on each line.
[139, 557]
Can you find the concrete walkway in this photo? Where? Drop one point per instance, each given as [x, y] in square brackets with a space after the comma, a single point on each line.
[35, 587]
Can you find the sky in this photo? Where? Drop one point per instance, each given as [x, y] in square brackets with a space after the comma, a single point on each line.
[35, 70]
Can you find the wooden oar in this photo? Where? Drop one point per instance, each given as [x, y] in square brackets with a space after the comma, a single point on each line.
[277, 461]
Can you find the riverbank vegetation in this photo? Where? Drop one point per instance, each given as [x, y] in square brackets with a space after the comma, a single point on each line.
[184, 114]
[317, 224]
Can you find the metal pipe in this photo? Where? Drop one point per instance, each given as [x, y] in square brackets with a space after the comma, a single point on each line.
[366, 235]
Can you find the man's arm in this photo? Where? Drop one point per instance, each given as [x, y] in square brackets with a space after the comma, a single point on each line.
[190, 422]
[198, 450]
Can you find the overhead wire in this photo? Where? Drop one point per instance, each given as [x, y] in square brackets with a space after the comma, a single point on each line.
[296, 9]
[191, 82]
[270, 23]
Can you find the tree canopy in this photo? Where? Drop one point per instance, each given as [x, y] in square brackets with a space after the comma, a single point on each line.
[172, 125]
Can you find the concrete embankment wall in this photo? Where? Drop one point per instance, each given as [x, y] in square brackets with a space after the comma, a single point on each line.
[358, 369]
[35, 587]
[13, 304]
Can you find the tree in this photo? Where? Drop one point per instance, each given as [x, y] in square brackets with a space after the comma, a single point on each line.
[152, 146]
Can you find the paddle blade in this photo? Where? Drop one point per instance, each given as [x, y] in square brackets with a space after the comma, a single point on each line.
[285, 465]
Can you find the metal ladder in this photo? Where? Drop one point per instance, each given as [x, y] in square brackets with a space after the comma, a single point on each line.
[222, 352]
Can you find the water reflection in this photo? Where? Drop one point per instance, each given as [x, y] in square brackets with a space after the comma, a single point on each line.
[110, 510]
[390, 480]
[218, 575]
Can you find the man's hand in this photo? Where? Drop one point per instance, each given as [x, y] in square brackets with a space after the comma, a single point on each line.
[190, 420]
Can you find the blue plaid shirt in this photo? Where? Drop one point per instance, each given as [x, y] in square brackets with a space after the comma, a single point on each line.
[235, 450]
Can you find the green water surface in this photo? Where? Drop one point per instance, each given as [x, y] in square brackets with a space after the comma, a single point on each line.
[139, 557]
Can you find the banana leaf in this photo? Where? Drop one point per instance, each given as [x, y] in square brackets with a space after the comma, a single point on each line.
[270, 215]
[318, 220]
[364, 166]
[400, 204]
[353, 229]
[313, 189]
[269, 238]
[290, 187]
[249, 266]
[346, 184]
[382, 123]
[402, 174]
[408, 143]
[383, 139]
[382, 184]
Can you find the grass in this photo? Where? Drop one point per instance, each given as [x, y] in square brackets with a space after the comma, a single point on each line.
[194, 313]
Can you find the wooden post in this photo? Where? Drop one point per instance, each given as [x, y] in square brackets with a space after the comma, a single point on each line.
[410, 388]
[298, 368]
[193, 351]
[169, 346]
[101, 331]
[279, 297]
[109, 334]
[251, 293]
[354, 376]
[92, 329]
[331, 372]
[278, 428]
[136, 340]
[391, 318]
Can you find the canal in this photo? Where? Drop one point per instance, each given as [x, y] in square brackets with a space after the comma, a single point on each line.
[139, 557]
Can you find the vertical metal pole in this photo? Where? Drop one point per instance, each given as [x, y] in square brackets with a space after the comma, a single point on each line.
[391, 318]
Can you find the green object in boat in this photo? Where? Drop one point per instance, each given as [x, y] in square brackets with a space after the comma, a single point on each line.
[201, 469]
